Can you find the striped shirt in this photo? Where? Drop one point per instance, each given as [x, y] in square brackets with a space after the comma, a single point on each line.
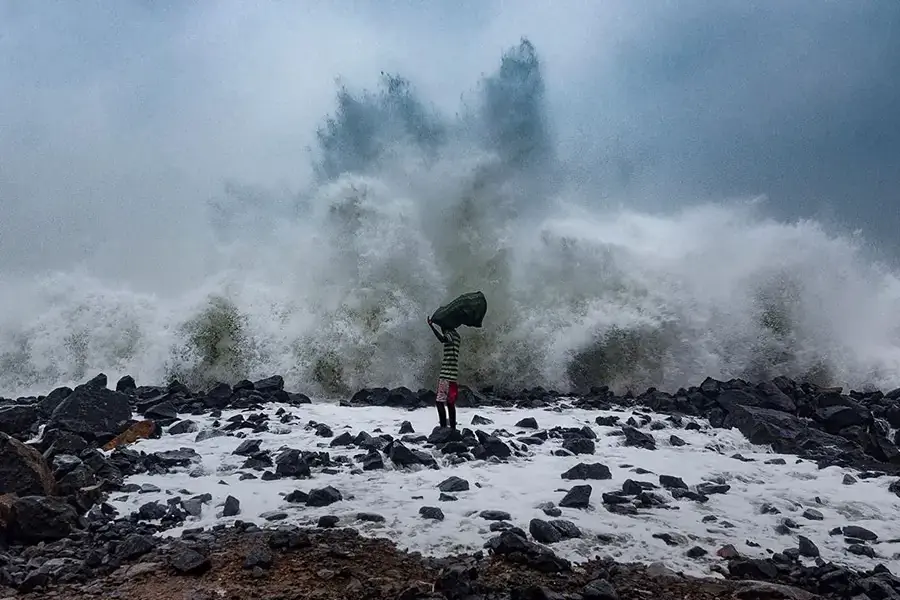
[450, 362]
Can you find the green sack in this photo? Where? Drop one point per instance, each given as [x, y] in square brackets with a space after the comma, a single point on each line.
[468, 309]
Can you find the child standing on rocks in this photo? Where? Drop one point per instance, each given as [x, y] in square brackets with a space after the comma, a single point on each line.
[448, 388]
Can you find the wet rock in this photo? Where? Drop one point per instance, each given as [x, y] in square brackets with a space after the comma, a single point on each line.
[247, 448]
[807, 547]
[327, 522]
[259, 556]
[431, 512]
[90, 411]
[577, 497]
[188, 561]
[599, 589]
[638, 439]
[23, 471]
[454, 484]
[813, 515]
[372, 461]
[323, 497]
[527, 423]
[186, 426]
[579, 446]
[17, 419]
[232, 507]
[670, 482]
[134, 546]
[291, 463]
[41, 518]
[544, 532]
[494, 515]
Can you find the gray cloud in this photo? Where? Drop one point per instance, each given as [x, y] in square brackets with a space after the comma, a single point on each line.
[119, 120]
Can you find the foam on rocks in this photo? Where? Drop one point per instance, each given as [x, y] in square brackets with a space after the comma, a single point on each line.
[755, 484]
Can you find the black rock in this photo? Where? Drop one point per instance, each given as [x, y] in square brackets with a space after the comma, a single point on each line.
[670, 482]
[494, 515]
[291, 463]
[431, 512]
[259, 556]
[372, 461]
[41, 518]
[186, 426]
[188, 561]
[527, 423]
[327, 522]
[163, 410]
[135, 545]
[808, 548]
[676, 441]
[579, 446]
[232, 507]
[599, 589]
[638, 439]
[544, 532]
[345, 439]
[247, 448]
[406, 427]
[323, 496]
[17, 419]
[588, 471]
[90, 410]
[453, 484]
[23, 471]
[578, 497]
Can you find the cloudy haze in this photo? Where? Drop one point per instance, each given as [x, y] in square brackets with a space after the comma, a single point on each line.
[120, 120]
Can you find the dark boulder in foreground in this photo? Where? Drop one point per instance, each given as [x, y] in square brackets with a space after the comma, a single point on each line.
[23, 471]
[92, 412]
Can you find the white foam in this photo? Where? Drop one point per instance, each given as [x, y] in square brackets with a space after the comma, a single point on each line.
[521, 485]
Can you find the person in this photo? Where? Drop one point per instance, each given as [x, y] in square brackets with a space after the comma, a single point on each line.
[448, 387]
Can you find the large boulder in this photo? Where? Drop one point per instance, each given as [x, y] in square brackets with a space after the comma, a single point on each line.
[41, 519]
[18, 419]
[23, 471]
[47, 405]
[92, 412]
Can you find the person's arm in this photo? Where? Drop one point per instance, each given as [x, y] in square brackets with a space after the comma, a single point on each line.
[437, 334]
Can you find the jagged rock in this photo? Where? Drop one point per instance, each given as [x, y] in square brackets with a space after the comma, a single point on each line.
[577, 497]
[588, 471]
[290, 463]
[90, 411]
[544, 532]
[23, 471]
[186, 426]
[638, 439]
[454, 484]
[188, 561]
[18, 419]
[232, 507]
[579, 446]
[46, 406]
[323, 497]
[41, 518]
[431, 512]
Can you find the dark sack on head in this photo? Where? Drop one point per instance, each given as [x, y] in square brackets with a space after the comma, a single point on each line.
[468, 309]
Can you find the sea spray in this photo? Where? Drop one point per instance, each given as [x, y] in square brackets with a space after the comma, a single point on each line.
[330, 285]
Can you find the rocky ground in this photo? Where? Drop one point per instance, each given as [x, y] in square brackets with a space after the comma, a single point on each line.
[64, 454]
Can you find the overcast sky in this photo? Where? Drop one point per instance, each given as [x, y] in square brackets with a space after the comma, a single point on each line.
[118, 119]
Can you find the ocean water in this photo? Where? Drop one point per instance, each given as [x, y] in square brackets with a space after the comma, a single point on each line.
[330, 285]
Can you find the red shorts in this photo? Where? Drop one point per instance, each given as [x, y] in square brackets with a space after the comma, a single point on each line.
[447, 392]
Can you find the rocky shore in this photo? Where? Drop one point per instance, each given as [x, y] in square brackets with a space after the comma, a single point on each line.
[64, 455]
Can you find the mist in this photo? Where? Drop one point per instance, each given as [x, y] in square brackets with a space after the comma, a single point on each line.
[213, 190]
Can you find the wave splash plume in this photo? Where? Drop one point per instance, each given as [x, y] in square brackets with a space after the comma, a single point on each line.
[330, 286]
